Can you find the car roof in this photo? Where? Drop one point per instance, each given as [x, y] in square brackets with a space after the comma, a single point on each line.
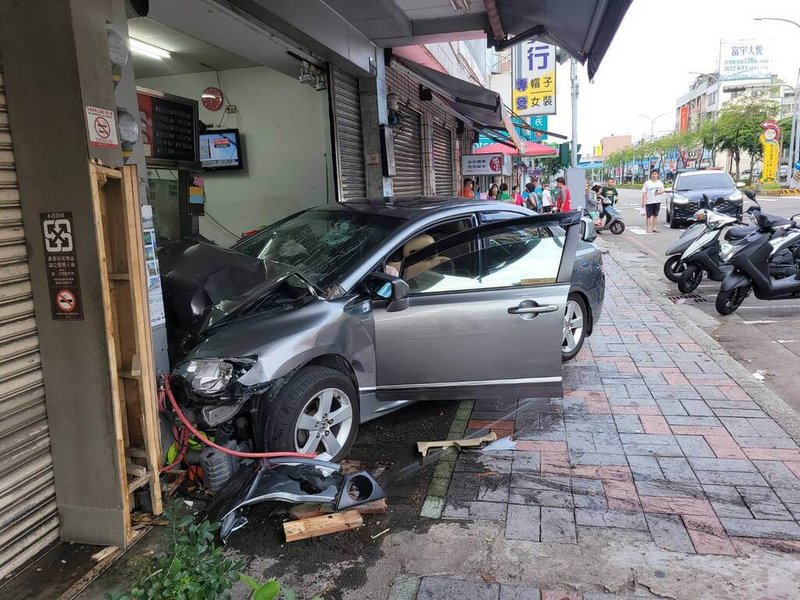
[414, 207]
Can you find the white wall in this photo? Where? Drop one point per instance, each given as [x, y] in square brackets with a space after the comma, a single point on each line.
[285, 128]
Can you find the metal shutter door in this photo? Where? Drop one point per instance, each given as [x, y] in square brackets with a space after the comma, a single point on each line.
[349, 145]
[408, 180]
[28, 517]
[443, 160]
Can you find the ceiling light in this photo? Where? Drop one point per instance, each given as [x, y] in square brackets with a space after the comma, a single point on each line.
[148, 50]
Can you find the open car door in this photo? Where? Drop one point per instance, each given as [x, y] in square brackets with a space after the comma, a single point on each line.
[485, 316]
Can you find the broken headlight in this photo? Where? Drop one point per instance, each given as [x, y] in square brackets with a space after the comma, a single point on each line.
[212, 376]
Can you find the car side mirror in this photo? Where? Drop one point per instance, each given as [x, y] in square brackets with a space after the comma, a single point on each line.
[588, 231]
[388, 287]
[740, 184]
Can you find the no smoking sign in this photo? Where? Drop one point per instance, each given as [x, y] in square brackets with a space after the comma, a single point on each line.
[102, 127]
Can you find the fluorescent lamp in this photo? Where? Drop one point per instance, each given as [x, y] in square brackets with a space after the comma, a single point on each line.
[148, 50]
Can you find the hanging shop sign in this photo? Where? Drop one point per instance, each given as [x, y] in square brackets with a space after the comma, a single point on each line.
[485, 164]
[533, 79]
[169, 126]
[61, 264]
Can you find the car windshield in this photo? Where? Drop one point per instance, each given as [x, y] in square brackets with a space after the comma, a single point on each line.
[322, 244]
[704, 181]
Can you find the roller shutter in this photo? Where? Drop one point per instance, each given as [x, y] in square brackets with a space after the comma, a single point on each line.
[28, 517]
[351, 181]
[408, 180]
[443, 160]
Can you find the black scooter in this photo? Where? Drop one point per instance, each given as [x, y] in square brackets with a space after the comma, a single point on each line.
[750, 259]
[673, 266]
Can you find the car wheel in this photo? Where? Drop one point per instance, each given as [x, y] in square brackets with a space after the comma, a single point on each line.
[575, 321]
[690, 279]
[673, 267]
[673, 223]
[669, 214]
[316, 412]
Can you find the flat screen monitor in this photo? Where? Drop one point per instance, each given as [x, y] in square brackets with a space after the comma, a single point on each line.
[221, 150]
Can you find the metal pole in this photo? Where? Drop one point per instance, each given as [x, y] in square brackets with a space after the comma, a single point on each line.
[573, 75]
[793, 183]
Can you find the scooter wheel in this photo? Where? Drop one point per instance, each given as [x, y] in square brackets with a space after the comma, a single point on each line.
[729, 300]
[673, 267]
[617, 227]
[690, 279]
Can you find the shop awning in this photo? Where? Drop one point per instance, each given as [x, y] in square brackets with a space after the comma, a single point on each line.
[479, 107]
[531, 149]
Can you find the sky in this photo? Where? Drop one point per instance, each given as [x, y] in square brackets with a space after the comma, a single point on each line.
[647, 68]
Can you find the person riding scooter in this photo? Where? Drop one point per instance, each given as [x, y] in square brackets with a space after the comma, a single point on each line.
[608, 217]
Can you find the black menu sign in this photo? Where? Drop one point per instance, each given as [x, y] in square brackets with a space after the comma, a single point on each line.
[169, 127]
[61, 264]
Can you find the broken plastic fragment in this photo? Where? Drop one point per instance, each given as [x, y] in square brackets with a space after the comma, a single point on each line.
[505, 443]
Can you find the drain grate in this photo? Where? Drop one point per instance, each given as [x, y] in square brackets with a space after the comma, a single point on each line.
[683, 298]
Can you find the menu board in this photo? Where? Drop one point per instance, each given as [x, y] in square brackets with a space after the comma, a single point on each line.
[169, 126]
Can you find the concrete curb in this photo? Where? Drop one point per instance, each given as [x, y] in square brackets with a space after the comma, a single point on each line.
[770, 402]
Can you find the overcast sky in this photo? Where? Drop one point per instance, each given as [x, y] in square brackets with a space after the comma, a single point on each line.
[647, 67]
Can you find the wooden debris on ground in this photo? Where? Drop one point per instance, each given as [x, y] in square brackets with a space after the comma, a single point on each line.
[322, 525]
[306, 511]
[423, 447]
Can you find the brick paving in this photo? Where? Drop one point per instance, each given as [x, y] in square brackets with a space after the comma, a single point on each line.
[652, 436]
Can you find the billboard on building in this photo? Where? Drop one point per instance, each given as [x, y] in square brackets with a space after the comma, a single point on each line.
[684, 118]
[533, 81]
[744, 59]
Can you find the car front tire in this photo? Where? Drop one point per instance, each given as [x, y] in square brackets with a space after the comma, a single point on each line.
[576, 322]
[316, 412]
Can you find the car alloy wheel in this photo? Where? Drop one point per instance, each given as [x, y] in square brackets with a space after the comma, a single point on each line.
[324, 424]
[574, 327]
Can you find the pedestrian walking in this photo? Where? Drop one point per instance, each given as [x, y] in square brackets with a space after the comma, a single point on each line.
[516, 197]
[546, 199]
[529, 197]
[477, 192]
[493, 191]
[563, 198]
[652, 190]
[467, 190]
[504, 196]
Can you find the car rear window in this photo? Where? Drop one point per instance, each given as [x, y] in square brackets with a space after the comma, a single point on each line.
[703, 181]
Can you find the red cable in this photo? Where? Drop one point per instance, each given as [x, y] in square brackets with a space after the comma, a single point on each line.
[184, 442]
[208, 442]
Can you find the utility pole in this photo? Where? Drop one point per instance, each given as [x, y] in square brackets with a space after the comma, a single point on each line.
[653, 122]
[573, 76]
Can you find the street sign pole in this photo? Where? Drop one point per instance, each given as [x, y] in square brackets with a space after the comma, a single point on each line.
[793, 142]
[573, 75]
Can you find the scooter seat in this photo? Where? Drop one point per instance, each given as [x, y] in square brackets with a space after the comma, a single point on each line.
[740, 232]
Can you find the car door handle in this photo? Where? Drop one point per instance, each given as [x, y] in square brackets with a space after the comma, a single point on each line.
[532, 310]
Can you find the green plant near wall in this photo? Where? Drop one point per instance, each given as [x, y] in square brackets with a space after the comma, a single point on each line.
[194, 567]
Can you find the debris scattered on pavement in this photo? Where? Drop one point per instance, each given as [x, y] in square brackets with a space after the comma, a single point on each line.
[305, 511]
[505, 443]
[379, 534]
[423, 447]
[323, 525]
[760, 374]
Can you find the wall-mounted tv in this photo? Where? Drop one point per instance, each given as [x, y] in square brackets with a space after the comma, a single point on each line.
[221, 150]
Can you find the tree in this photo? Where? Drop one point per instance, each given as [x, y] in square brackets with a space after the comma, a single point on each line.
[739, 125]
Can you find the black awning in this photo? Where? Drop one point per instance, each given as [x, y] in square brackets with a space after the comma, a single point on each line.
[584, 28]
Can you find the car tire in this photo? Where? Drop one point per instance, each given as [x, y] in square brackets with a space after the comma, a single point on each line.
[295, 420]
[691, 277]
[673, 223]
[669, 214]
[576, 309]
[673, 267]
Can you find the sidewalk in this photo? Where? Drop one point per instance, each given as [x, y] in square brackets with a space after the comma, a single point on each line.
[654, 456]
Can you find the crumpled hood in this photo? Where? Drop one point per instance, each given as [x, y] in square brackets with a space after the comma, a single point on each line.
[203, 282]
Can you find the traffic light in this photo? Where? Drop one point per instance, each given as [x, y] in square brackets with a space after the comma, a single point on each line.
[563, 154]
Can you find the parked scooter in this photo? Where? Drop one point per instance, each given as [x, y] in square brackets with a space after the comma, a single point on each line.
[673, 266]
[750, 259]
[702, 257]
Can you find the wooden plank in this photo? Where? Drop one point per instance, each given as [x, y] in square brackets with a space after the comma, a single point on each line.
[423, 447]
[323, 525]
[139, 482]
[305, 511]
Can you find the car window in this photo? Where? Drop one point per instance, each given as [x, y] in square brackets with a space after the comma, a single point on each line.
[703, 181]
[321, 244]
[518, 256]
[428, 237]
[500, 215]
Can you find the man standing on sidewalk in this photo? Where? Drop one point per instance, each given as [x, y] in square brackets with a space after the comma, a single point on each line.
[652, 190]
[563, 198]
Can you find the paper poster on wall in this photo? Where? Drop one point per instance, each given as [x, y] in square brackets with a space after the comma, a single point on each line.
[102, 127]
[154, 296]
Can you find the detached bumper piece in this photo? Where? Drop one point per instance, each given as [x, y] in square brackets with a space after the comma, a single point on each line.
[292, 480]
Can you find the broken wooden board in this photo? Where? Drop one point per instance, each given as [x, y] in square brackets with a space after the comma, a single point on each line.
[423, 447]
[306, 511]
[322, 525]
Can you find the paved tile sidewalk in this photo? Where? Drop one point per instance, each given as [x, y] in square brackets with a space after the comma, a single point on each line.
[652, 440]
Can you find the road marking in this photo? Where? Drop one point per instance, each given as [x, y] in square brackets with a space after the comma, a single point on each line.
[758, 322]
[637, 230]
[787, 341]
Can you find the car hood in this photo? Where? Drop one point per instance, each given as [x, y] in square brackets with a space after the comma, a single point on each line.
[712, 193]
[205, 285]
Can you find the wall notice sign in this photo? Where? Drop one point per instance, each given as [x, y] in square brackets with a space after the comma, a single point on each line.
[61, 263]
[485, 164]
[102, 127]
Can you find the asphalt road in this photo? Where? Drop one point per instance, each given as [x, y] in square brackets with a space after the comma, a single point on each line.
[762, 335]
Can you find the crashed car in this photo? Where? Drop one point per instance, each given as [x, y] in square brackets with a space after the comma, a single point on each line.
[337, 315]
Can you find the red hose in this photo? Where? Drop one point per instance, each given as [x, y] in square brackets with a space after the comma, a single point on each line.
[184, 442]
[208, 442]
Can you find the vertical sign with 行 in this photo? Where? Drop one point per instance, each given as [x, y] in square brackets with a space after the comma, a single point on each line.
[61, 263]
[533, 80]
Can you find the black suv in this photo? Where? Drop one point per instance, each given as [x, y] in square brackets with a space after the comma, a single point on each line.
[683, 200]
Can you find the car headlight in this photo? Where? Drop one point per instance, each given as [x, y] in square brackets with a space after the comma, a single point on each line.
[735, 196]
[679, 199]
[212, 376]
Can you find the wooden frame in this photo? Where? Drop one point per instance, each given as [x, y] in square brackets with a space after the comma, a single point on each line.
[120, 245]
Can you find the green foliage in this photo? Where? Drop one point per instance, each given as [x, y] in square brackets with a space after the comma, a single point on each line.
[194, 567]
